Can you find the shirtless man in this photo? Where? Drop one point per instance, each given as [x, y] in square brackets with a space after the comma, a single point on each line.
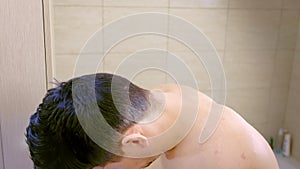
[56, 139]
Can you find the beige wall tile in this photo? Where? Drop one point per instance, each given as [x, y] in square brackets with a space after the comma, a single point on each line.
[76, 17]
[211, 22]
[291, 4]
[256, 4]
[295, 75]
[248, 69]
[73, 26]
[295, 83]
[113, 60]
[282, 69]
[288, 29]
[150, 78]
[139, 42]
[78, 2]
[252, 104]
[278, 102]
[277, 108]
[198, 73]
[136, 3]
[298, 43]
[179, 46]
[197, 69]
[199, 3]
[292, 115]
[249, 56]
[243, 76]
[65, 66]
[141, 70]
[298, 39]
[71, 41]
[114, 13]
[293, 102]
[252, 29]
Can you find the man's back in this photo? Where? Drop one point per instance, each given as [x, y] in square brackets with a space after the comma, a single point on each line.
[234, 145]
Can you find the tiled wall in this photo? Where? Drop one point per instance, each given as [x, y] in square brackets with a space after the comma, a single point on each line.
[292, 116]
[255, 39]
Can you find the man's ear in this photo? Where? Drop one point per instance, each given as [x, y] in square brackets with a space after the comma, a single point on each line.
[135, 140]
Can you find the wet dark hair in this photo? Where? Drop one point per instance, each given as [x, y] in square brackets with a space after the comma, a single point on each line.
[54, 135]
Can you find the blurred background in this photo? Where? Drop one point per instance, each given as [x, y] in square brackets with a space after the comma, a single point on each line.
[258, 43]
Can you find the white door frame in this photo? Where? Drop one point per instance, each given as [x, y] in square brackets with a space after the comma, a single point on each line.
[23, 79]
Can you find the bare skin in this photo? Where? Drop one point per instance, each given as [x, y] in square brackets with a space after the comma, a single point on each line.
[234, 145]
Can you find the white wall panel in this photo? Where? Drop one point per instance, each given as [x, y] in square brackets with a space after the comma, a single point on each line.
[22, 75]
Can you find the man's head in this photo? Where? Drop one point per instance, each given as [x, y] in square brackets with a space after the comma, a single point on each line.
[56, 138]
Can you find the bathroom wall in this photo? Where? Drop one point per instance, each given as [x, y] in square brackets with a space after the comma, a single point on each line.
[255, 40]
[292, 116]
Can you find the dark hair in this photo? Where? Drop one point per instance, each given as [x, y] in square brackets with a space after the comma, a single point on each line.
[55, 137]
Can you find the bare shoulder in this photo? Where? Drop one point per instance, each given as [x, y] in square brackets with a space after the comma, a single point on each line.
[253, 149]
[235, 143]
